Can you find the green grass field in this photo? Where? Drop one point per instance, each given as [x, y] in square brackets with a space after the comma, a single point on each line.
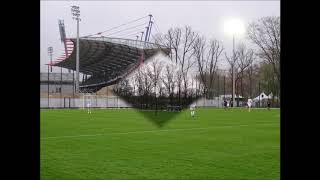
[123, 144]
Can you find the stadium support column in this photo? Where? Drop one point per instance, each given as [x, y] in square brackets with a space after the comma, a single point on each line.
[150, 27]
[147, 33]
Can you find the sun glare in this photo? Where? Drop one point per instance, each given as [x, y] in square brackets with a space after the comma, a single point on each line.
[234, 27]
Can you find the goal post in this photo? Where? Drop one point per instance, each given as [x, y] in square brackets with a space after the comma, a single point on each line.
[100, 101]
[86, 98]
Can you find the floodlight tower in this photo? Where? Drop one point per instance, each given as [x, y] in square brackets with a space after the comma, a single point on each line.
[63, 37]
[75, 10]
[234, 27]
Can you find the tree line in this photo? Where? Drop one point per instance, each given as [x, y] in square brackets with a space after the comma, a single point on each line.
[194, 70]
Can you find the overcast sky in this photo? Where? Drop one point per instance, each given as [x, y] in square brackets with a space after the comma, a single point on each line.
[205, 17]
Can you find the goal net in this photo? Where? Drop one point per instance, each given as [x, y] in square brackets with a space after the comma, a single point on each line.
[99, 101]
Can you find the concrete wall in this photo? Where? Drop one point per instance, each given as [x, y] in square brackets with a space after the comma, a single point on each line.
[116, 102]
[66, 88]
[110, 102]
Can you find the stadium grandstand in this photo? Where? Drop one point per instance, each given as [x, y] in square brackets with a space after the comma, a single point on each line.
[104, 61]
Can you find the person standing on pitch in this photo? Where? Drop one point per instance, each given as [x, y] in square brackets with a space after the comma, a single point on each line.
[192, 110]
[231, 103]
[89, 107]
[269, 104]
[225, 104]
[249, 104]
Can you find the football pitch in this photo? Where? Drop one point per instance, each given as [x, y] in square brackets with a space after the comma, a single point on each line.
[123, 144]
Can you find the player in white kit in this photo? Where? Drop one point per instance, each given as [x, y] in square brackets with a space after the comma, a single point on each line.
[249, 104]
[89, 107]
[192, 109]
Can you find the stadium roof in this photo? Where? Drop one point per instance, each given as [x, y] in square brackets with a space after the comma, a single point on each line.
[106, 59]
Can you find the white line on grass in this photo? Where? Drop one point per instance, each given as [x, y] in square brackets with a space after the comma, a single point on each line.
[162, 130]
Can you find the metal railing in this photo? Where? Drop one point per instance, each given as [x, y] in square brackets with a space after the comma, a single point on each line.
[128, 42]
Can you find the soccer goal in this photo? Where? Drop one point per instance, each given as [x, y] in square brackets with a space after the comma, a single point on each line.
[99, 101]
[88, 98]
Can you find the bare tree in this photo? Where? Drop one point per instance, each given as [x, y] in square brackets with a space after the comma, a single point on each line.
[207, 61]
[199, 51]
[179, 84]
[186, 61]
[265, 33]
[168, 80]
[181, 41]
[174, 38]
[215, 50]
[154, 72]
[245, 59]
[144, 85]
[138, 78]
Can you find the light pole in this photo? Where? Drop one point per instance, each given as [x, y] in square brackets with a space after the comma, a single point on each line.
[61, 86]
[48, 87]
[233, 73]
[259, 94]
[76, 15]
[233, 27]
[50, 52]
[218, 91]
[224, 86]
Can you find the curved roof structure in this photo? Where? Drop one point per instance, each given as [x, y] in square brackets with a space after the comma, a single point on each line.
[107, 60]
